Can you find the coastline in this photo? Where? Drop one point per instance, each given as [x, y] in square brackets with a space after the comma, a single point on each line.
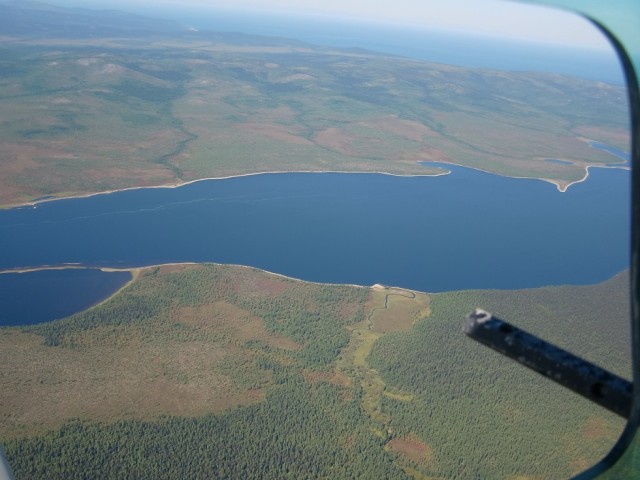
[78, 266]
[135, 274]
[561, 185]
[35, 203]
[563, 188]
[136, 271]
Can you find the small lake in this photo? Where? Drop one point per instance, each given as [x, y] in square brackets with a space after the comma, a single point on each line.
[465, 230]
[558, 162]
[34, 297]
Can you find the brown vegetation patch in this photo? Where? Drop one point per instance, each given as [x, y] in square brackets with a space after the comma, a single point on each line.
[578, 465]
[52, 168]
[411, 448]
[428, 153]
[596, 428]
[284, 343]
[403, 309]
[334, 378]
[493, 136]
[348, 441]
[251, 281]
[348, 143]
[214, 315]
[17, 160]
[178, 267]
[409, 129]
[335, 139]
[235, 323]
[136, 376]
[271, 285]
[272, 131]
[44, 155]
[18, 157]
[142, 176]
[347, 310]
[616, 136]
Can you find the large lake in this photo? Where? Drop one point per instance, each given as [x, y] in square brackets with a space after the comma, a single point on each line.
[465, 230]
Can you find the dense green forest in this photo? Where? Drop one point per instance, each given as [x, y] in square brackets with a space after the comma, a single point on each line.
[299, 431]
[229, 372]
[500, 418]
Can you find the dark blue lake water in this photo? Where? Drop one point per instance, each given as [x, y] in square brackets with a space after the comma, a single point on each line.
[465, 230]
[34, 297]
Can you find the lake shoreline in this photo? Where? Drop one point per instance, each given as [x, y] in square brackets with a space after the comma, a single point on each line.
[139, 269]
[561, 185]
[586, 175]
[137, 272]
[35, 203]
[246, 222]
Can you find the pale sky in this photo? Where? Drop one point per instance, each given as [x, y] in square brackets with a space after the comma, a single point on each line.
[497, 17]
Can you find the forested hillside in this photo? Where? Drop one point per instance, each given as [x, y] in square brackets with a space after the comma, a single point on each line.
[498, 416]
[228, 372]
